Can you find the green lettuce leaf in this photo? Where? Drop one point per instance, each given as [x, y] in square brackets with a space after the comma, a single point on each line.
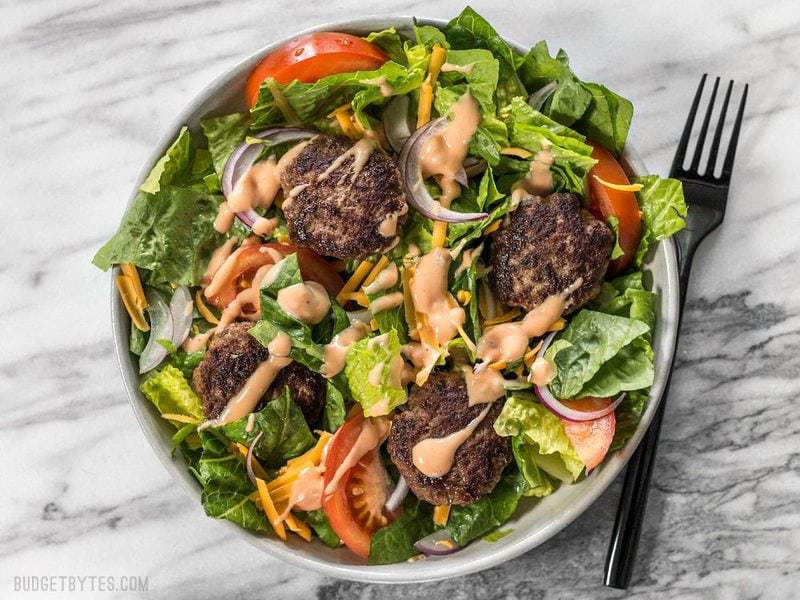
[285, 433]
[552, 450]
[663, 210]
[224, 134]
[590, 340]
[428, 35]
[613, 224]
[390, 42]
[539, 483]
[395, 542]
[365, 359]
[171, 393]
[481, 79]
[489, 512]
[173, 166]
[334, 412]
[170, 234]
[317, 520]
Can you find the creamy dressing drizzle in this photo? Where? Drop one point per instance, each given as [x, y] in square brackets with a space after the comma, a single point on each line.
[388, 226]
[307, 302]
[386, 279]
[218, 258]
[434, 457]
[306, 493]
[375, 374]
[373, 432]
[542, 372]
[484, 386]
[509, 341]
[467, 258]
[264, 226]
[466, 69]
[433, 302]
[539, 180]
[258, 383]
[442, 155]
[360, 151]
[386, 302]
[336, 350]
[256, 188]
[384, 86]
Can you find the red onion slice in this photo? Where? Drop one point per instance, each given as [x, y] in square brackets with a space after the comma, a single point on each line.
[245, 154]
[540, 96]
[396, 124]
[559, 408]
[181, 308]
[411, 173]
[161, 328]
[397, 496]
[439, 543]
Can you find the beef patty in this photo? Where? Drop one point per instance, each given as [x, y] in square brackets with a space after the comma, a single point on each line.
[548, 244]
[435, 410]
[232, 356]
[345, 214]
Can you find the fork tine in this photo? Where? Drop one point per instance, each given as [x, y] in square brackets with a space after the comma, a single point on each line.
[712, 155]
[701, 139]
[680, 153]
[727, 167]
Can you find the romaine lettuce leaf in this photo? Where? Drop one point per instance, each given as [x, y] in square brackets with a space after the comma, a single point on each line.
[224, 134]
[171, 393]
[429, 35]
[170, 234]
[390, 42]
[552, 450]
[317, 520]
[173, 166]
[334, 412]
[589, 342]
[285, 433]
[395, 542]
[481, 77]
[373, 359]
[470, 522]
[539, 483]
[663, 210]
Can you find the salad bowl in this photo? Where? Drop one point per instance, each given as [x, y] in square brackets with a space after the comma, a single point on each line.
[536, 520]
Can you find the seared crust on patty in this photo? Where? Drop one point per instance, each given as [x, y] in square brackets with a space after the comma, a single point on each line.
[341, 215]
[435, 410]
[232, 357]
[547, 246]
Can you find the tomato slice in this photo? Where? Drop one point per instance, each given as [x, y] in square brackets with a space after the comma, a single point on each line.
[355, 509]
[250, 258]
[591, 439]
[606, 202]
[313, 56]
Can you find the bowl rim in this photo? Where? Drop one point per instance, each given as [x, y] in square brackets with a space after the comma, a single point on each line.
[422, 570]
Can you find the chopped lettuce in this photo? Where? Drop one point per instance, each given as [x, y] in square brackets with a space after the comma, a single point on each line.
[369, 367]
[481, 76]
[583, 353]
[285, 433]
[171, 393]
[489, 512]
[485, 197]
[613, 224]
[224, 134]
[390, 42]
[550, 448]
[395, 542]
[663, 210]
[170, 234]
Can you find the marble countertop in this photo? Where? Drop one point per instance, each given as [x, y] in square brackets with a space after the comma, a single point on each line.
[87, 88]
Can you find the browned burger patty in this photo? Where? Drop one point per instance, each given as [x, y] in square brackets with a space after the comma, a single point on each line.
[547, 246]
[231, 358]
[437, 409]
[341, 215]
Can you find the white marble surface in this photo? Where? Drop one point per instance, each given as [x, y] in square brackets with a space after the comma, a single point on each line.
[87, 88]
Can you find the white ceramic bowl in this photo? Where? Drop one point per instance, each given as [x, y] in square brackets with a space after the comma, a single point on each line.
[535, 520]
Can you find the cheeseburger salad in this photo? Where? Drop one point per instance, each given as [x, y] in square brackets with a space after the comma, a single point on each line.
[401, 292]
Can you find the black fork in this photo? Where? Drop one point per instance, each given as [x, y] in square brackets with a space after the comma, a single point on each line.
[706, 196]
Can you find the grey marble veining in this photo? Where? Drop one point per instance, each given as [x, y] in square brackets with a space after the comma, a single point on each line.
[87, 88]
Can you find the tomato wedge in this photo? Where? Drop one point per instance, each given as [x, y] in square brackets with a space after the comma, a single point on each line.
[591, 439]
[250, 258]
[606, 202]
[313, 56]
[355, 509]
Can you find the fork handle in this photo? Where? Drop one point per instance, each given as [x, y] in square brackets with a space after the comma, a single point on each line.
[633, 501]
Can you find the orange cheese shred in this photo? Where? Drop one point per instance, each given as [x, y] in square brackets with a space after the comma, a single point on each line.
[269, 509]
[352, 284]
[621, 187]
[440, 514]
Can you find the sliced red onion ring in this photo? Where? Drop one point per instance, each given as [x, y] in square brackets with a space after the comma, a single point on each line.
[161, 328]
[181, 308]
[540, 96]
[411, 173]
[474, 166]
[359, 316]
[559, 408]
[439, 543]
[245, 154]
[248, 459]
[397, 496]
[396, 124]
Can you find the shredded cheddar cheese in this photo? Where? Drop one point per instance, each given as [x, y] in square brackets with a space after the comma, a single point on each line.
[346, 122]
[467, 341]
[463, 296]
[297, 526]
[558, 325]
[620, 187]
[441, 514]
[359, 298]
[438, 56]
[499, 365]
[439, 234]
[269, 509]
[352, 284]
[281, 102]
[504, 318]
[492, 228]
[180, 418]
[373, 325]
[204, 311]
[373, 274]
[127, 291]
